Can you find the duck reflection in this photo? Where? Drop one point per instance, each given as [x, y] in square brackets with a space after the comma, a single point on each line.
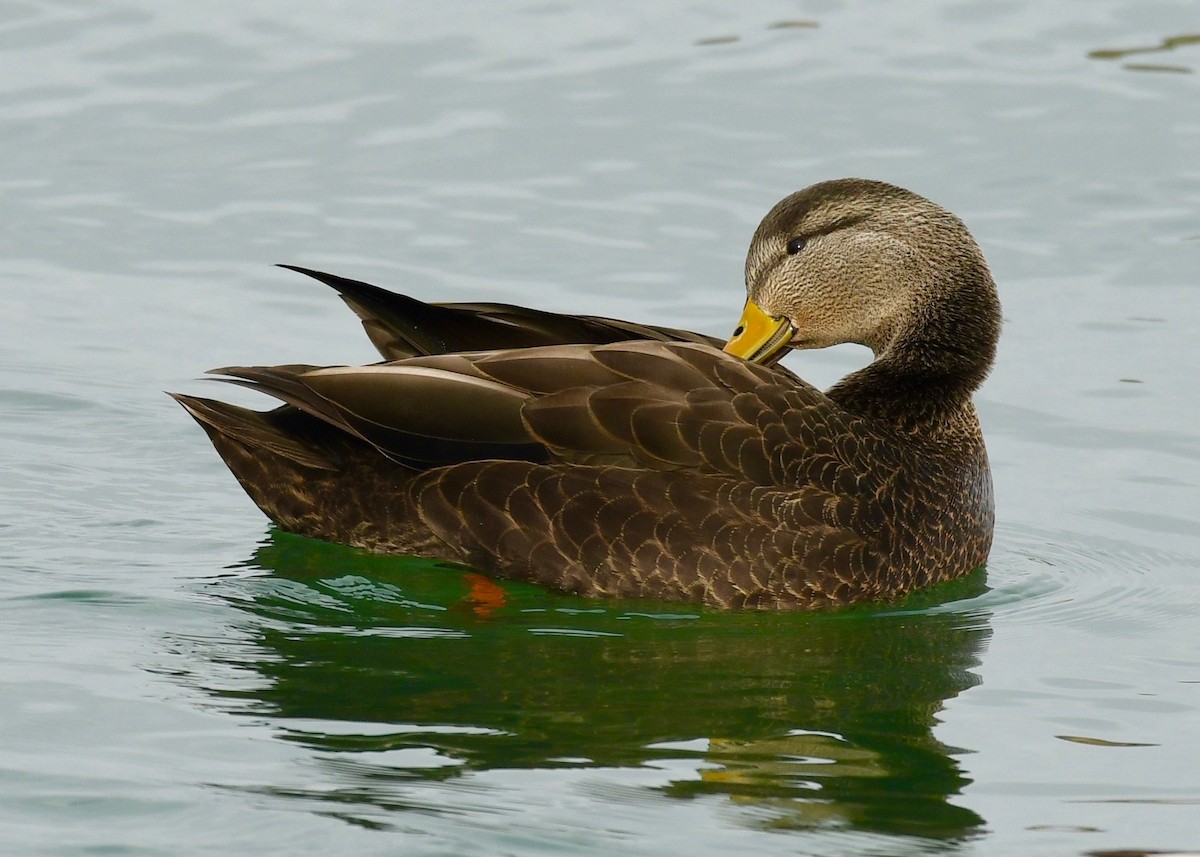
[402, 670]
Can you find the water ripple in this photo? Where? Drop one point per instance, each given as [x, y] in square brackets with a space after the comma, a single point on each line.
[1105, 586]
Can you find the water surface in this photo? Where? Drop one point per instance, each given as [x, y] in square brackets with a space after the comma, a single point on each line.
[181, 679]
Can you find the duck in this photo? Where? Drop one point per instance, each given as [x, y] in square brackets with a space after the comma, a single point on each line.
[612, 459]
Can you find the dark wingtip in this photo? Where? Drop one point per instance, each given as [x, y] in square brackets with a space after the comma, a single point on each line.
[345, 285]
[328, 279]
[300, 270]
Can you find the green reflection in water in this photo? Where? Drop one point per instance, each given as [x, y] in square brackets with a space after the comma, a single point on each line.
[389, 666]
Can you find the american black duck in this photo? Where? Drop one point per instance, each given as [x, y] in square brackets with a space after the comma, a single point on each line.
[607, 458]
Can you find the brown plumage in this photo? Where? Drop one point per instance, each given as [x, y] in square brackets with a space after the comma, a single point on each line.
[612, 459]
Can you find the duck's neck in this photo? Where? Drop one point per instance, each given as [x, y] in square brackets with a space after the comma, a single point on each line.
[908, 400]
[923, 375]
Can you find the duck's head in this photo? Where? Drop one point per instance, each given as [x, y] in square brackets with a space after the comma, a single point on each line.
[863, 261]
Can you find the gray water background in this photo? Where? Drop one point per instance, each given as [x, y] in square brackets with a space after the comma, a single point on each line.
[155, 159]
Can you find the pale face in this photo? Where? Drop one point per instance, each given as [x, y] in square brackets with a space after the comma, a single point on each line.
[845, 261]
[843, 286]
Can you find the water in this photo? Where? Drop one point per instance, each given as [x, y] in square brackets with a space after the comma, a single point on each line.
[180, 679]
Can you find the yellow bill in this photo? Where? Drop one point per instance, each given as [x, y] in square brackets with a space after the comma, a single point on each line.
[760, 338]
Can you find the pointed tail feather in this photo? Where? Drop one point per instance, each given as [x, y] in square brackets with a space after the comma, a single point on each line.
[251, 429]
[313, 479]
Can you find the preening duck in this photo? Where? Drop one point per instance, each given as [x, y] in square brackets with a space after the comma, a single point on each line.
[613, 459]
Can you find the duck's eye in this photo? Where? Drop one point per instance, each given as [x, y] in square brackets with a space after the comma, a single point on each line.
[795, 245]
